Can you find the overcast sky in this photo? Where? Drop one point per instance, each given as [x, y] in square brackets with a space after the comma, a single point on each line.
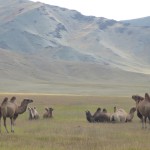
[111, 9]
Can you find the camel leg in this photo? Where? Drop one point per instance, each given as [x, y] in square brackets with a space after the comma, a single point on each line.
[4, 118]
[12, 123]
[0, 124]
[145, 122]
[142, 122]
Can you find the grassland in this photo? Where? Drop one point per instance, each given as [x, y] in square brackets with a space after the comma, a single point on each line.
[69, 130]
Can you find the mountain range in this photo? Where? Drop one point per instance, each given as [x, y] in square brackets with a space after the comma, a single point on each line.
[48, 49]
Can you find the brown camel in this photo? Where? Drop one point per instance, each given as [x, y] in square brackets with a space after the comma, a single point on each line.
[120, 115]
[143, 106]
[102, 116]
[11, 110]
[48, 113]
[99, 116]
[138, 98]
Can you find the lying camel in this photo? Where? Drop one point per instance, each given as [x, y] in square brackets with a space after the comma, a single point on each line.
[31, 115]
[120, 115]
[99, 116]
[143, 106]
[48, 113]
[102, 116]
[35, 113]
[11, 110]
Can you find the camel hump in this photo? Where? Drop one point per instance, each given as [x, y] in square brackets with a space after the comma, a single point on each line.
[12, 99]
[147, 98]
[5, 101]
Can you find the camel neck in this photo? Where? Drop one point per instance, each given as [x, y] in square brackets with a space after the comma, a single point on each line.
[21, 109]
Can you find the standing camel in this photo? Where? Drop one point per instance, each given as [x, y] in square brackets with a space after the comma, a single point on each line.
[11, 110]
[138, 98]
[143, 106]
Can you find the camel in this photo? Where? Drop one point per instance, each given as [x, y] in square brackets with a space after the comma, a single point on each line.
[99, 116]
[35, 113]
[31, 115]
[143, 106]
[11, 110]
[102, 116]
[48, 113]
[138, 98]
[120, 115]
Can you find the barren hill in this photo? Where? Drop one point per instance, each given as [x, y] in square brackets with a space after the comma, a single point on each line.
[49, 49]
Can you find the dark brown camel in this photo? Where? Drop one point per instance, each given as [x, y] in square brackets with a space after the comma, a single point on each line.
[99, 116]
[11, 110]
[138, 98]
[143, 106]
[48, 113]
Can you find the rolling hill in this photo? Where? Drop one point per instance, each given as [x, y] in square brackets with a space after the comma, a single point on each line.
[48, 49]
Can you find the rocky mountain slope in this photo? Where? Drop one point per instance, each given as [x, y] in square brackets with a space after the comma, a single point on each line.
[49, 49]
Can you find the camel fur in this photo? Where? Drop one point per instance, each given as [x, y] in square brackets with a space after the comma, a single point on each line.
[11, 110]
[120, 115]
[143, 106]
[48, 113]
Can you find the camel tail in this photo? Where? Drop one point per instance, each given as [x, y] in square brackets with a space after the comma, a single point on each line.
[5, 101]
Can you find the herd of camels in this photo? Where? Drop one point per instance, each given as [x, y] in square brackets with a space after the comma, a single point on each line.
[10, 109]
[120, 115]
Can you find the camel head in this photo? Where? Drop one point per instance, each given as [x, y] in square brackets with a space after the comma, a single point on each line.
[51, 109]
[26, 102]
[89, 117]
[115, 109]
[137, 98]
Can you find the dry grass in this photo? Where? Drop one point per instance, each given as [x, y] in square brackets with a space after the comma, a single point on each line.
[69, 128]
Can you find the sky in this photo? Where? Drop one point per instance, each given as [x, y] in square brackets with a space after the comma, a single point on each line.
[110, 9]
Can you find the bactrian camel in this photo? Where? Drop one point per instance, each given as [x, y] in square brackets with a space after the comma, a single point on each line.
[138, 98]
[48, 113]
[12, 110]
[120, 115]
[143, 106]
[31, 115]
[98, 116]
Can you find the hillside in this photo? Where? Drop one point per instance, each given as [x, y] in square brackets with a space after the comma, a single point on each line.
[144, 22]
[49, 49]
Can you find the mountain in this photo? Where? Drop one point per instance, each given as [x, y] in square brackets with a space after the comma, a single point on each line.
[48, 49]
[143, 22]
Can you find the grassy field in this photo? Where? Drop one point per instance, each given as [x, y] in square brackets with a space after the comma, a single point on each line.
[69, 128]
